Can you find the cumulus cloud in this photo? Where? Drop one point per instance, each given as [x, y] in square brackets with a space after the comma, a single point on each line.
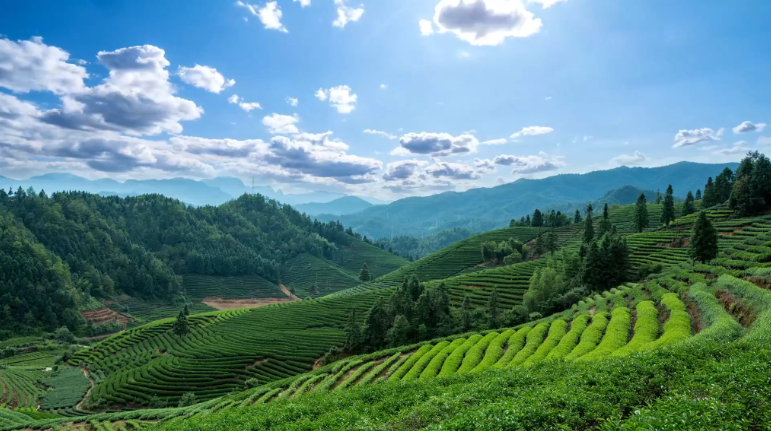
[426, 27]
[495, 142]
[380, 133]
[136, 98]
[685, 138]
[246, 106]
[737, 148]
[523, 164]
[303, 3]
[205, 77]
[269, 15]
[748, 126]
[630, 159]
[402, 170]
[455, 171]
[532, 131]
[281, 124]
[436, 144]
[341, 98]
[546, 3]
[31, 65]
[485, 22]
[292, 101]
[346, 14]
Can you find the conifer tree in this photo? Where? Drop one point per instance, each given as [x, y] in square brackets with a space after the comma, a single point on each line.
[528, 222]
[703, 239]
[723, 185]
[186, 310]
[668, 212]
[658, 196]
[698, 194]
[688, 205]
[588, 226]
[376, 326]
[466, 314]
[605, 223]
[537, 218]
[577, 217]
[492, 310]
[181, 325]
[352, 333]
[552, 241]
[399, 334]
[708, 199]
[640, 221]
[364, 274]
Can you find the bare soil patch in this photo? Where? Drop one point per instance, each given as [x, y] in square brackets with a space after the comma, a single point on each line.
[288, 293]
[676, 243]
[104, 315]
[697, 325]
[232, 304]
[741, 311]
[633, 321]
[471, 286]
[762, 282]
[592, 310]
[79, 406]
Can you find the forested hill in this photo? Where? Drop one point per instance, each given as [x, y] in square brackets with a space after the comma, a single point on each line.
[59, 251]
[488, 208]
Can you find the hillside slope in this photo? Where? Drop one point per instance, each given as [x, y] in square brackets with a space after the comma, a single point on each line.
[488, 208]
[341, 206]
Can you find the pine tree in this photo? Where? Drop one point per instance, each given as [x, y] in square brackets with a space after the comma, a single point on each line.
[577, 217]
[709, 199]
[492, 310]
[668, 212]
[703, 239]
[552, 241]
[376, 326]
[466, 314]
[186, 310]
[181, 325]
[399, 334]
[688, 205]
[364, 274]
[698, 194]
[588, 226]
[640, 221]
[352, 333]
[723, 185]
[658, 196]
[537, 218]
[527, 221]
[605, 224]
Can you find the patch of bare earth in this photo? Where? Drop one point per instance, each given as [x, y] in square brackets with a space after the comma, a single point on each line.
[471, 286]
[762, 282]
[232, 304]
[741, 311]
[592, 310]
[633, 315]
[697, 325]
[103, 316]
[79, 406]
[288, 293]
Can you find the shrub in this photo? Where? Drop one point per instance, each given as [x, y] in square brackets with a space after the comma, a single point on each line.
[515, 344]
[678, 327]
[410, 362]
[646, 328]
[590, 337]
[534, 339]
[557, 330]
[453, 361]
[188, 399]
[436, 363]
[474, 355]
[494, 351]
[570, 340]
[421, 364]
[616, 334]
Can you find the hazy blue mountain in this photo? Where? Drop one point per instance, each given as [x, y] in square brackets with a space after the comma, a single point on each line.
[341, 206]
[485, 208]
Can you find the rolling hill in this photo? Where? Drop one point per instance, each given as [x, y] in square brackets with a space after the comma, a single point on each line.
[340, 206]
[489, 208]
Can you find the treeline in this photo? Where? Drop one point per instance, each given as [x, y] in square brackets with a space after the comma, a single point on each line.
[412, 248]
[58, 251]
[546, 219]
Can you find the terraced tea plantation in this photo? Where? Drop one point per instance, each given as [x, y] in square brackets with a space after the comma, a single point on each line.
[199, 287]
[309, 276]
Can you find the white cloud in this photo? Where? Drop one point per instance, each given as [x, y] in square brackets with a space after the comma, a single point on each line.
[381, 133]
[546, 3]
[685, 138]
[485, 22]
[455, 171]
[136, 98]
[269, 15]
[495, 142]
[31, 65]
[292, 101]
[346, 14]
[281, 124]
[748, 126]
[764, 140]
[402, 170]
[426, 27]
[630, 159]
[532, 131]
[383, 86]
[738, 148]
[523, 164]
[303, 3]
[205, 77]
[246, 106]
[436, 144]
[547, 98]
[341, 98]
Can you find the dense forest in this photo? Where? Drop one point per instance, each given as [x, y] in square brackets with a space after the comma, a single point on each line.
[59, 251]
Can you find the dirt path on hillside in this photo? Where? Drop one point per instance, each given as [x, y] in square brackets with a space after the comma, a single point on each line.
[232, 304]
[79, 406]
[288, 293]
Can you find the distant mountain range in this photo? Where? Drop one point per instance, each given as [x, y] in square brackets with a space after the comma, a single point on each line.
[488, 208]
[340, 206]
[215, 191]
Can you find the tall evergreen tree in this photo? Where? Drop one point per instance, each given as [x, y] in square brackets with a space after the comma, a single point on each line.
[751, 192]
[704, 246]
[376, 326]
[688, 206]
[552, 241]
[588, 226]
[709, 199]
[528, 222]
[537, 218]
[465, 319]
[640, 221]
[399, 333]
[186, 310]
[352, 333]
[658, 196]
[493, 310]
[181, 326]
[364, 274]
[723, 184]
[605, 224]
[698, 194]
[668, 212]
[577, 217]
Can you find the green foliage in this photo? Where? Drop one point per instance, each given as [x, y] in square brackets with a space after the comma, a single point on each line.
[188, 399]
[646, 329]
[751, 190]
[678, 326]
[476, 353]
[588, 226]
[688, 206]
[453, 361]
[515, 344]
[181, 325]
[704, 246]
[570, 340]
[417, 369]
[434, 367]
[591, 337]
[668, 212]
[405, 368]
[534, 339]
[66, 388]
[364, 275]
[616, 334]
[494, 351]
[641, 220]
[557, 331]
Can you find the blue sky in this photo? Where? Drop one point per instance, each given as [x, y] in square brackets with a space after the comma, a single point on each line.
[465, 93]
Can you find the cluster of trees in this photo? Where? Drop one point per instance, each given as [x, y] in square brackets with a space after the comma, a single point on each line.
[507, 252]
[549, 218]
[751, 189]
[58, 251]
[719, 191]
[412, 313]
[412, 248]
